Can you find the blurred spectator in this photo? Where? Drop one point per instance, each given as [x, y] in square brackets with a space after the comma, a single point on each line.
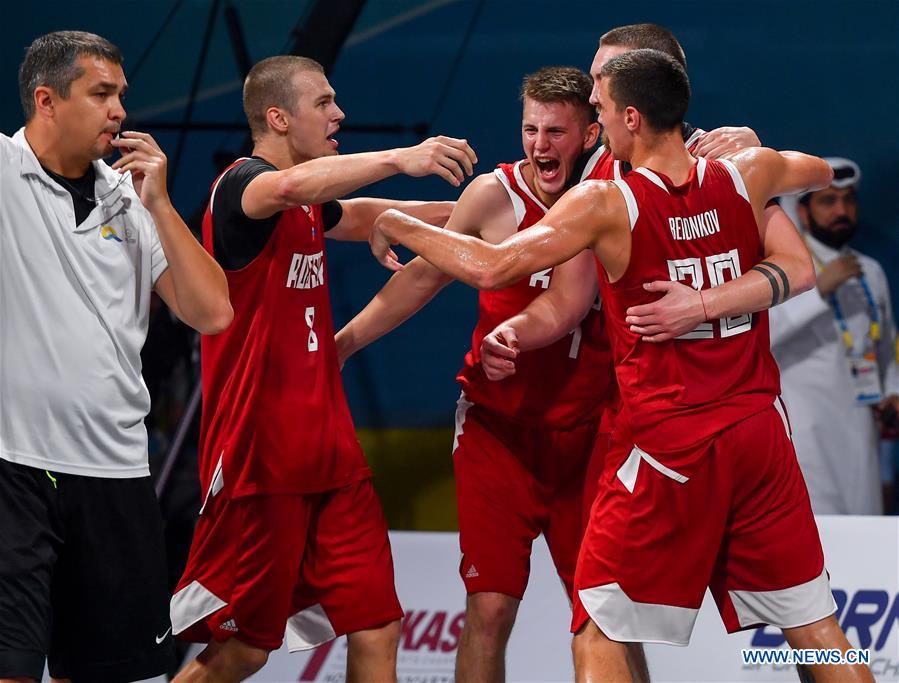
[836, 347]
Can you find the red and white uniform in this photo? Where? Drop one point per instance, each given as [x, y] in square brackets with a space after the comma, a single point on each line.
[284, 478]
[706, 490]
[558, 386]
[523, 444]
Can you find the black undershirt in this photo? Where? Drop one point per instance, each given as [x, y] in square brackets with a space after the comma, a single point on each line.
[81, 189]
[238, 239]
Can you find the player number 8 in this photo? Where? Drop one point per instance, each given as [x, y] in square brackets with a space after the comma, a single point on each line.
[312, 343]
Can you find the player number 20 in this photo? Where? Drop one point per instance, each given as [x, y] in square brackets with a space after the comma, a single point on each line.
[312, 343]
[717, 266]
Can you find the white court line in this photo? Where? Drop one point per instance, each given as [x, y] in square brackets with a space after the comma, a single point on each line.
[236, 84]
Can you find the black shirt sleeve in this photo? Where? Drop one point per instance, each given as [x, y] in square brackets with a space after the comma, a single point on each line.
[332, 212]
[687, 130]
[237, 239]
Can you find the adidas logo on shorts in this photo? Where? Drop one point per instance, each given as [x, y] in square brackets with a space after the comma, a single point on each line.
[228, 626]
[471, 573]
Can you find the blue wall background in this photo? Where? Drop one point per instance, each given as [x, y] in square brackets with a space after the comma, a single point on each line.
[818, 76]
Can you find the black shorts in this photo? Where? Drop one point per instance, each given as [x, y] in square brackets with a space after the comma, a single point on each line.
[82, 578]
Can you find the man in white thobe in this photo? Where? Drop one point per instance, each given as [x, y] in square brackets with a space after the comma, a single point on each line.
[836, 347]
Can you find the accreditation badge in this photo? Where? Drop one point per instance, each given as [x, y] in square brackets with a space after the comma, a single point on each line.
[866, 379]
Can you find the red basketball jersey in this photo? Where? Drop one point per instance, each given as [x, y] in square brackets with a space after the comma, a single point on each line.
[275, 418]
[556, 386]
[704, 233]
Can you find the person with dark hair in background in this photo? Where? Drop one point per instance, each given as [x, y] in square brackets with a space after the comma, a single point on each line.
[836, 348]
[82, 245]
[701, 488]
[291, 533]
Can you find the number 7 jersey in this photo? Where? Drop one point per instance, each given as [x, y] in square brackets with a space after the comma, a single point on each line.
[561, 385]
[703, 233]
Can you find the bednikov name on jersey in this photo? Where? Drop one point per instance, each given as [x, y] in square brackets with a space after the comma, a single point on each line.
[693, 227]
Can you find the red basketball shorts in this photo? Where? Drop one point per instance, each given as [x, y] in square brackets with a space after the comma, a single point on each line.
[738, 522]
[514, 482]
[313, 566]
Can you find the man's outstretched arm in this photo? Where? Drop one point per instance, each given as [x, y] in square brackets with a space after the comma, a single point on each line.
[410, 290]
[321, 180]
[359, 215]
[573, 224]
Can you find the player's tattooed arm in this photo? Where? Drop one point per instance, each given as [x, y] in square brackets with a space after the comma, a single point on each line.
[764, 174]
[777, 278]
[681, 308]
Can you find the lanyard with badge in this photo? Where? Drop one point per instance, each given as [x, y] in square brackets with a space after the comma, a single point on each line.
[862, 365]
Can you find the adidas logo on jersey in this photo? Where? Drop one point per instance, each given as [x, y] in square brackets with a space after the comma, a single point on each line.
[307, 271]
[229, 626]
[471, 573]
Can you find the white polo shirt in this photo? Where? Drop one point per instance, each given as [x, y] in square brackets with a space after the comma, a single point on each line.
[74, 310]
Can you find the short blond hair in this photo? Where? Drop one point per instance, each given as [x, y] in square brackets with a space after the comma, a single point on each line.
[271, 83]
[560, 84]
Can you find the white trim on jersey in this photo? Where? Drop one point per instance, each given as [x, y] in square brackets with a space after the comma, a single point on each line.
[308, 629]
[626, 620]
[786, 608]
[591, 162]
[517, 202]
[652, 177]
[736, 177]
[215, 185]
[516, 170]
[633, 212]
[700, 169]
[616, 170]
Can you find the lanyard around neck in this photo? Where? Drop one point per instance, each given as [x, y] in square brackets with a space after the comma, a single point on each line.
[873, 314]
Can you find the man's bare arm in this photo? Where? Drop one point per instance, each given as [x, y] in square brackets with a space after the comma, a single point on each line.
[786, 269]
[321, 180]
[719, 143]
[359, 215]
[725, 141]
[411, 289]
[548, 318]
[573, 224]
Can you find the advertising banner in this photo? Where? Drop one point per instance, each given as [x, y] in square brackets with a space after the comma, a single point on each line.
[862, 556]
